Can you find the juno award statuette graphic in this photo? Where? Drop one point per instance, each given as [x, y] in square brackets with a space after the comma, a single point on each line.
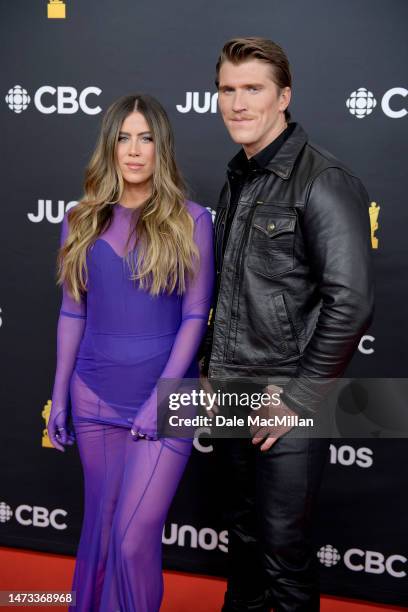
[56, 9]
[374, 211]
[46, 442]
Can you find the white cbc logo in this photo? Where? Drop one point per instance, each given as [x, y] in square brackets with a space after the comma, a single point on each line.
[205, 538]
[368, 561]
[47, 210]
[362, 102]
[199, 102]
[200, 434]
[63, 100]
[36, 516]
[364, 345]
[328, 555]
[5, 512]
[17, 99]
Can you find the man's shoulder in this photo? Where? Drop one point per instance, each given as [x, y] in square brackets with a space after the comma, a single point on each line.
[322, 170]
[321, 159]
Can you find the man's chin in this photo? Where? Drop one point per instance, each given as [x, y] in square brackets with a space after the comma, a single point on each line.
[242, 139]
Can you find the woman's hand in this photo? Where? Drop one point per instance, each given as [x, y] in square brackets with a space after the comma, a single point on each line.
[145, 423]
[58, 431]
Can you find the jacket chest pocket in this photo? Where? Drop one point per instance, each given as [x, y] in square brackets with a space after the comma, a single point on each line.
[271, 244]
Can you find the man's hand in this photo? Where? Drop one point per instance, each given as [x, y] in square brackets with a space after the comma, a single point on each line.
[270, 434]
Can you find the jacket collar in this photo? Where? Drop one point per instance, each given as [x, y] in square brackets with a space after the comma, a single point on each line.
[283, 161]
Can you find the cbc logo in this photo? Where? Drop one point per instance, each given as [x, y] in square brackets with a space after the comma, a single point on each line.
[205, 538]
[200, 434]
[362, 102]
[36, 516]
[63, 100]
[368, 561]
[328, 555]
[347, 455]
[364, 345]
[199, 103]
[17, 99]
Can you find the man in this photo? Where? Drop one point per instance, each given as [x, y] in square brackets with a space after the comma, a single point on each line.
[294, 296]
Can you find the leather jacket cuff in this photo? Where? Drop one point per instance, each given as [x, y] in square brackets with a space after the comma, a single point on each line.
[305, 395]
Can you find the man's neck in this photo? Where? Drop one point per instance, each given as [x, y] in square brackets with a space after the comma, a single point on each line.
[253, 149]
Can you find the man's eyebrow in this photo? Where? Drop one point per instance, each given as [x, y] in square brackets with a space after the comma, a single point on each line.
[227, 86]
[139, 133]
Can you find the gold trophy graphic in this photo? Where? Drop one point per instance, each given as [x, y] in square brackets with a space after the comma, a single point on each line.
[46, 442]
[374, 211]
[56, 9]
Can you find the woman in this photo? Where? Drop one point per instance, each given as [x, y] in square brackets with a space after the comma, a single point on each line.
[136, 265]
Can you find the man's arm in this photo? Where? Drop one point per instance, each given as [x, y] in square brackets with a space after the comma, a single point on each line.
[337, 235]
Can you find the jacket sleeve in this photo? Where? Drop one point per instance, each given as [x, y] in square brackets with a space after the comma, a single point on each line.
[337, 234]
[71, 324]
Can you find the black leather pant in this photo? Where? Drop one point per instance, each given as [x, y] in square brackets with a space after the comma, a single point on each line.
[271, 501]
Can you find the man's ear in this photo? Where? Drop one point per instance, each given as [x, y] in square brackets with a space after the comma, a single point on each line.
[285, 96]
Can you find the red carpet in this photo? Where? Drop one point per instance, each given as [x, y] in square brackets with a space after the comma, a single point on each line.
[34, 571]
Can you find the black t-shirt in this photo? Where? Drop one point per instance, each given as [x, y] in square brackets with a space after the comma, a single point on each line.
[239, 169]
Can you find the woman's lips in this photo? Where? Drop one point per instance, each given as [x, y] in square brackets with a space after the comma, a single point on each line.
[134, 166]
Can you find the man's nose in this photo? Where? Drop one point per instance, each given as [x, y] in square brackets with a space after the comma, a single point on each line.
[238, 102]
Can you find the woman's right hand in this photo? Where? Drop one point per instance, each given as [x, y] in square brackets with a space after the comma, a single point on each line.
[58, 431]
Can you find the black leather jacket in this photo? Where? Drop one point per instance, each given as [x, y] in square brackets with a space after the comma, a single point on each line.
[295, 292]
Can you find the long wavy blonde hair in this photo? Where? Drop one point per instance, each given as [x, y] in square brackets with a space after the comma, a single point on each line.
[163, 231]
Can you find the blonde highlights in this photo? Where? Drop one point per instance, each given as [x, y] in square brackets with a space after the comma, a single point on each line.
[163, 232]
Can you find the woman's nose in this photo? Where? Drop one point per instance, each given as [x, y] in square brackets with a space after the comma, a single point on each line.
[134, 148]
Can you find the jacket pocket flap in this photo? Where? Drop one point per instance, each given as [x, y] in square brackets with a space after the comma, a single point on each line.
[273, 226]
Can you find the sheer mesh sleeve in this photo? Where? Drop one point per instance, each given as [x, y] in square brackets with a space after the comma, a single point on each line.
[71, 324]
[196, 304]
[195, 310]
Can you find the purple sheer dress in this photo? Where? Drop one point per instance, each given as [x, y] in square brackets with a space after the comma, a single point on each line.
[111, 350]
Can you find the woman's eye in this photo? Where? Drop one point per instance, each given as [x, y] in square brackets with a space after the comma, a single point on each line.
[121, 138]
[147, 139]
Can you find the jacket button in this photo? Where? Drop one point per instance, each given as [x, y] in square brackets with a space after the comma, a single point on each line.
[271, 226]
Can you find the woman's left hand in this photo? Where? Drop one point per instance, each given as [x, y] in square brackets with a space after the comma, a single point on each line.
[145, 423]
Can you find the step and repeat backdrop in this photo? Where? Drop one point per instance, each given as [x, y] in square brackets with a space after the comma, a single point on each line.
[64, 63]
